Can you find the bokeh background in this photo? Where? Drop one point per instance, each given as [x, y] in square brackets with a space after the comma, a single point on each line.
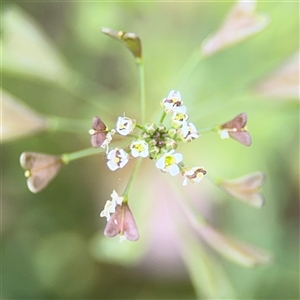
[52, 242]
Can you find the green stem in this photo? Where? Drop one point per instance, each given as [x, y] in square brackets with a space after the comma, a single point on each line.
[131, 180]
[187, 207]
[139, 126]
[162, 117]
[69, 157]
[185, 73]
[208, 129]
[141, 69]
[89, 91]
[55, 123]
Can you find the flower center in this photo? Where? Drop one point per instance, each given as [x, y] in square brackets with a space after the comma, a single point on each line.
[169, 160]
[139, 148]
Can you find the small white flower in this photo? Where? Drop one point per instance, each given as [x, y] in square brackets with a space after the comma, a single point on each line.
[139, 148]
[125, 125]
[110, 205]
[108, 139]
[194, 174]
[172, 102]
[188, 132]
[116, 198]
[168, 162]
[179, 117]
[117, 158]
[223, 134]
[109, 208]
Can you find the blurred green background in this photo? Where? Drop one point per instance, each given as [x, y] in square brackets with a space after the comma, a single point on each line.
[52, 244]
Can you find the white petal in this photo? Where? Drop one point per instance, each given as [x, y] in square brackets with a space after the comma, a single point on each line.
[173, 170]
[113, 166]
[145, 153]
[178, 157]
[160, 164]
[111, 154]
[134, 152]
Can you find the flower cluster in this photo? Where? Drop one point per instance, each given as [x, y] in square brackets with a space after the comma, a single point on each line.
[159, 143]
[155, 141]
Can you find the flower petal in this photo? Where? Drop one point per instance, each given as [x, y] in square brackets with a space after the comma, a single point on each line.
[173, 170]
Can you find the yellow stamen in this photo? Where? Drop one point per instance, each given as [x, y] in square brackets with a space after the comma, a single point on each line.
[169, 160]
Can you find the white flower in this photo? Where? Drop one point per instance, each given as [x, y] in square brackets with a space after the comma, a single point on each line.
[116, 198]
[108, 139]
[172, 102]
[109, 208]
[168, 162]
[117, 158]
[125, 125]
[110, 205]
[188, 132]
[179, 117]
[139, 148]
[194, 174]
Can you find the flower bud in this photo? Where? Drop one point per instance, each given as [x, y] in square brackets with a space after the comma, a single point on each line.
[172, 132]
[150, 128]
[161, 128]
[170, 144]
[153, 152]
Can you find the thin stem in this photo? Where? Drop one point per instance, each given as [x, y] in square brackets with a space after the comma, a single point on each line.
[141, 69]
[208, 129]
[139, 126]
[69, 157]
[131, 180]
[89, 91]
[185, 73]
[187, 207]
[162, 117]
